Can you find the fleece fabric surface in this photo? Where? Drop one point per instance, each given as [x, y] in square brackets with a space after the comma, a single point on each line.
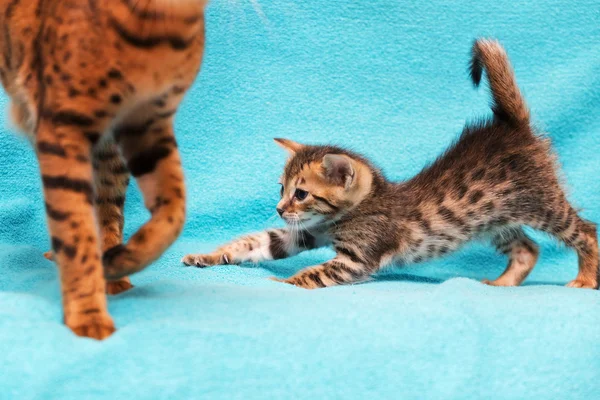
[386, 78]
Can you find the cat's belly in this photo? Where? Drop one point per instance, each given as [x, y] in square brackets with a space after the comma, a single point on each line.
[438, 245]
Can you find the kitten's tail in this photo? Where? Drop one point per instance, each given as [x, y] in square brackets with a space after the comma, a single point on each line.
[508, 103]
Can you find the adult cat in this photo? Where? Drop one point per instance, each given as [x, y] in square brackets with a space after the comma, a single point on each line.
[96, 84]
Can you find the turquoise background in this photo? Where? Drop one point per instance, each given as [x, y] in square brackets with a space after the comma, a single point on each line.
[386, 78]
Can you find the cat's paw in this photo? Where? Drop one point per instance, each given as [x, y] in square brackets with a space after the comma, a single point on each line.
[98, 328]
[207, 260]
[120, 286]
[94, 331]
[583, 284]
[499, 282]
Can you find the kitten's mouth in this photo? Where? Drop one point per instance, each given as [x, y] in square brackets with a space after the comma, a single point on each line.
[303, 223]
[292, 220]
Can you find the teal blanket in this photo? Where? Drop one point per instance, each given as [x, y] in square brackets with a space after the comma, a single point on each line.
[386, 78]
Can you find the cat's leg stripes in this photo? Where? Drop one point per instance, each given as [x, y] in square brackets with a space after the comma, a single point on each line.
[153, 159]
[111, 178]
[64, 155]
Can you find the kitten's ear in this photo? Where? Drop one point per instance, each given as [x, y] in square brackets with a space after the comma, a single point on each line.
[289, 145]
[338, 169]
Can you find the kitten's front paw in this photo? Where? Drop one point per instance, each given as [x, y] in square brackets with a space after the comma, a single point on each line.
[297, 282]
[207, 260]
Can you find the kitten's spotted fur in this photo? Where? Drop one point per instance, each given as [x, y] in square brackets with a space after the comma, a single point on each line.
[499, 176]
[96, 85]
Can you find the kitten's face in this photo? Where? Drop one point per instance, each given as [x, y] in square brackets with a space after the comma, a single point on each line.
[308, 199]
[318, 186]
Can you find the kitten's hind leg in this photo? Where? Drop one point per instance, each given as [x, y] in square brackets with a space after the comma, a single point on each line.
[522, 252]
[583, 238]
[581, 235]
[268, 245]
[562, 221]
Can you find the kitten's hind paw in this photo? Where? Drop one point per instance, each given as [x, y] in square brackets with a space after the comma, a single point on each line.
[206, 260]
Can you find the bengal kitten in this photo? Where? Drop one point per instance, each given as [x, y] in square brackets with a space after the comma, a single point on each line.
[96, 85]
[498, 176]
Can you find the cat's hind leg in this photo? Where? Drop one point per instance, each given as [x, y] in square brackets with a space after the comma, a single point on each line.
[579, 234]
[150, 149]
[561, 220]
[111, 178]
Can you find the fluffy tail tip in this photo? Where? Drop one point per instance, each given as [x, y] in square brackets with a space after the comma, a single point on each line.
[476, 65]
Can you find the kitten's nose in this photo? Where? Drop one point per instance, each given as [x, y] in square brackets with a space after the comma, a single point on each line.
[280, 211]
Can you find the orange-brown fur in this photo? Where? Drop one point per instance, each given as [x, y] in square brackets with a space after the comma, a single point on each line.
[96, 85]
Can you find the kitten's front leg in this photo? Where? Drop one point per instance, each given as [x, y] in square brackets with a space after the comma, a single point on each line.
[268, 245]
[343, 269]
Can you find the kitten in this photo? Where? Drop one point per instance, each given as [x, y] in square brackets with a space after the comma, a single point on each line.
[498, 176]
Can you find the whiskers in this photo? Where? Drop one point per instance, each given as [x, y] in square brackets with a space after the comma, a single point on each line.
[271, 220]
[304, 227]
[293, 229]
[298, 229]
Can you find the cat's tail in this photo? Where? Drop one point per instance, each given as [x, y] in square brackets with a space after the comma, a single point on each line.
[508, 103]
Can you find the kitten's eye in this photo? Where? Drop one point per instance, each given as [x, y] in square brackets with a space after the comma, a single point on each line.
[300, 194]
[281, 191]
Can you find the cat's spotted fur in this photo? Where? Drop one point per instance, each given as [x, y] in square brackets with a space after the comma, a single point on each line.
[96, 84]
[499, 176]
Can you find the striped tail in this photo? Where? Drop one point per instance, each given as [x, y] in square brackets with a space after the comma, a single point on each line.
[508, 103]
